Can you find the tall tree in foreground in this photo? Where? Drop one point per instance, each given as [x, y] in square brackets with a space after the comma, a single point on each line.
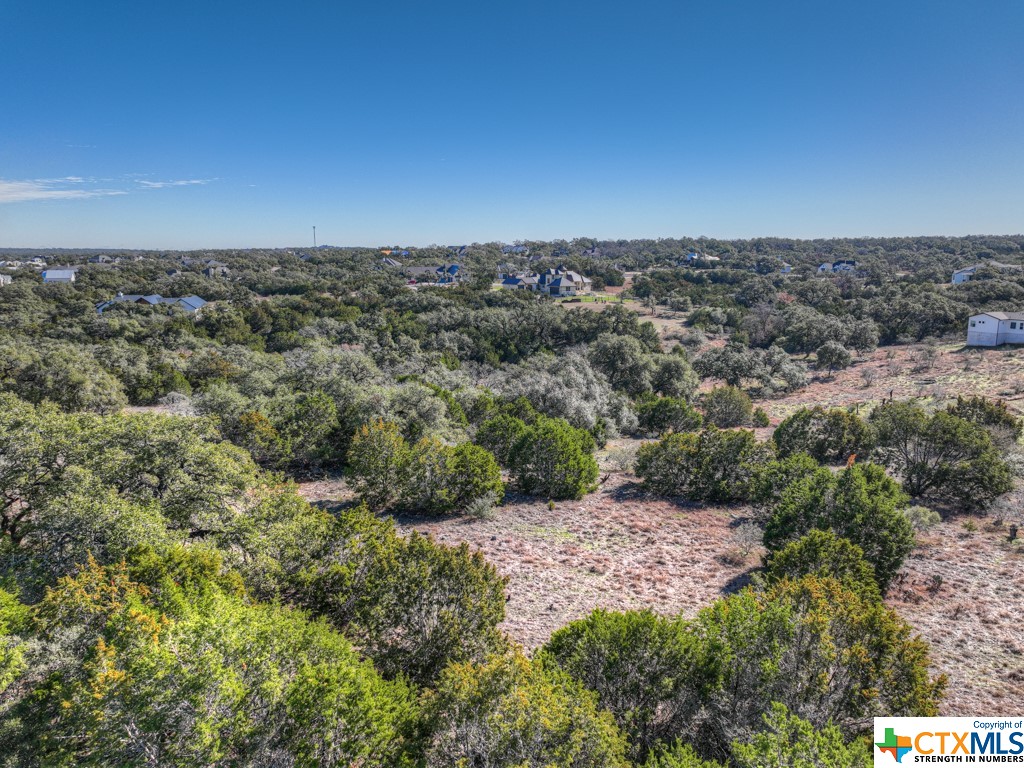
[829, 655]
[512, 711]
[646, 670]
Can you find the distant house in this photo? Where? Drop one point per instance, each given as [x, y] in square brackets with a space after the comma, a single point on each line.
[837, 267]
[696, 258]
[187, 303]
[219, 270]
[387, 261]
[59, 276]
[5, 279]
[520, 282]
[990, 329]
[423, 273]
[450, 274]
[557, 281]
[785, 268]
[101, 259]
[515, 249]
[446, 274]
[968, 273]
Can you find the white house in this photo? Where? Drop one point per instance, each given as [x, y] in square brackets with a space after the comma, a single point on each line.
[696, 258]
[990, 329]
[59, 276]
[5, 279]
[967, 273]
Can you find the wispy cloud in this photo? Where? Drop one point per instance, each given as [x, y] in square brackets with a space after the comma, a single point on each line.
[68, 188]
[177, 183]
[80, 187]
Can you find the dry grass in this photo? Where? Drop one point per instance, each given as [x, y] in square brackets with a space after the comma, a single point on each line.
[962, 590]
[905, 371]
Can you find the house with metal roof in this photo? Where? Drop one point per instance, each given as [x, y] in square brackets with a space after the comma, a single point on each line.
[991, 329]
[187, 303]
[837, 267]
[59, 276]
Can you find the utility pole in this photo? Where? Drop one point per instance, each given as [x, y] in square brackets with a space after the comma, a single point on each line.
[314, 237]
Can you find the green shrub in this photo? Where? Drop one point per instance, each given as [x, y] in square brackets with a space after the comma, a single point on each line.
[861, 504]
[645, 669]
[510, 712]
[992, 414]
[712, 465]
[499, 435]
[658, 415]
[922, 519]
[554, 459]
[825, 555]
[801, 644]
[829, 435]
[788, 740]
[940, 455]
[770, 480]
[727, 407]
[378, 460]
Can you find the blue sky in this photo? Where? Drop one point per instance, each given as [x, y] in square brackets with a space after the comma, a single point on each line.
[223, 124]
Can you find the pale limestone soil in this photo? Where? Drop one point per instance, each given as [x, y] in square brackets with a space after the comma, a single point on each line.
[964, 592]
[614, 549]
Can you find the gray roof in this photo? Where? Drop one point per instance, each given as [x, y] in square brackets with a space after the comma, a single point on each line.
[59, 274]
[1003, 315]
[188, 303]
[994, 264]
